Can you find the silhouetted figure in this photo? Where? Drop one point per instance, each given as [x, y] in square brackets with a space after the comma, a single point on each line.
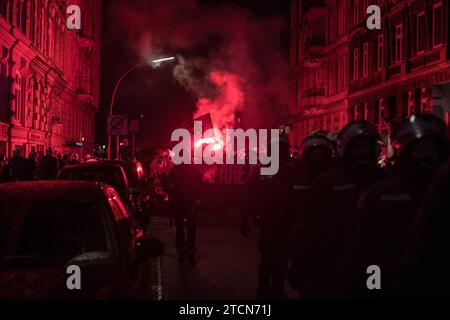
[49, 166]
[272, 195]
[387, 209]
[14, 170]
[425, 263]
[73, 160]
[30, 169]
[184, 183]
[65, 161]
[315, 156]
[330, 208]
[2, 163]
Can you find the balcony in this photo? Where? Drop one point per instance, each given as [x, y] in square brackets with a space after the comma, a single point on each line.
[314, 92]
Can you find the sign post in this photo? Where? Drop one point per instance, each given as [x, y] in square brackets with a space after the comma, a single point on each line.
[117, 126]
[134, 128]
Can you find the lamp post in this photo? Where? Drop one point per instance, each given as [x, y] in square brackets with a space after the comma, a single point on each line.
[156, 62]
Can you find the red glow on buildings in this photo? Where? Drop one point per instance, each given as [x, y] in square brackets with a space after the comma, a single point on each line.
[342, 71]
[49, 76]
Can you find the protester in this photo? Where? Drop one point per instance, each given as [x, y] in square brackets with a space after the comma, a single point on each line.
[14, 169]
[30, 169]
[49, 166]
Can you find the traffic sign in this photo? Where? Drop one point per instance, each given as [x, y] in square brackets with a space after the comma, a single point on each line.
[118, 125]
[125, 142]
[134, 126]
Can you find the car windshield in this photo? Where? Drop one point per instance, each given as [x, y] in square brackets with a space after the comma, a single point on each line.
[50, 232]
[109, 175]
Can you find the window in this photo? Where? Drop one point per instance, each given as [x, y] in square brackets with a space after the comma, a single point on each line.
[18, 97]
[355, 64]
[3, 63]
[50, 39]
[421, 33]
[366, 60]
[331, 78]
[423, 100]
[332, 25]
[49, 234]
[10, 9]
[43, 31]
[2, 70]
[380, 52]
[355, 112]
[342, 18]
[3, 9]
[437, 24]
[341, 73]
[411, 105]
[21, 15]
[380, 117]
[356, 11]
[365, 5]
[398, 43]
[32, 30]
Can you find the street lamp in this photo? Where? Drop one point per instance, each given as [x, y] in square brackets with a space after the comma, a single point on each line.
[157, 63]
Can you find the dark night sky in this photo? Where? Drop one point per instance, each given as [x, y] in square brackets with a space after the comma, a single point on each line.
[154, 93]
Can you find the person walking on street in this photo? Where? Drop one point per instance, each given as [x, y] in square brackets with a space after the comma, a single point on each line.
[184, 185]
[49, 166]
[30, 167]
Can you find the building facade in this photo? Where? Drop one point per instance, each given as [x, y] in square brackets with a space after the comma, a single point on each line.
[382, 76]
[49, 76]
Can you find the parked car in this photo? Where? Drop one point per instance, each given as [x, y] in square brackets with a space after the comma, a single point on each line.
[46, 226]
[138, 189]
[108, 172]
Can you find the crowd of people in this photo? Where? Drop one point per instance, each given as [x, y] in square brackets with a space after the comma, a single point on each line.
[37, 166]
[328, 216]
[334, 214]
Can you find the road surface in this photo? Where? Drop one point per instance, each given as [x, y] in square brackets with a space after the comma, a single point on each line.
[226, 261]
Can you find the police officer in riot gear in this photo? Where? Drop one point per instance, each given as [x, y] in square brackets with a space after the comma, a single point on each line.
[386, 210]
[271, 195]
[316, 154]
[425, 263]
[331, 204]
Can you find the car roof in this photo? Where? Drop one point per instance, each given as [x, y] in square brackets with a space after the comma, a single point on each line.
[53, 188]
[121, 162]
[96, 164]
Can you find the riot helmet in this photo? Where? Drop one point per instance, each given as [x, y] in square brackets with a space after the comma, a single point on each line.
[356, 132]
